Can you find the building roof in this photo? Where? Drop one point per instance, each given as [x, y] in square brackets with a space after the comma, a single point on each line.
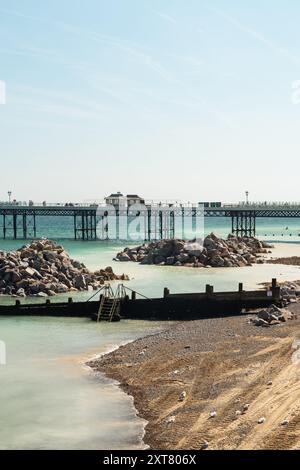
[118, 194]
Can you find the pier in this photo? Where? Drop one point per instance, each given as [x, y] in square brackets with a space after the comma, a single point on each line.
[125, 303]
[157, 220]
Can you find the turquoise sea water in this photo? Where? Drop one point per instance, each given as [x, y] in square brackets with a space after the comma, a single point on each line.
[62, 227]
[48, 399]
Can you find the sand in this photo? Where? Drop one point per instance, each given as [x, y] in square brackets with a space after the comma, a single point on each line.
[221, 364]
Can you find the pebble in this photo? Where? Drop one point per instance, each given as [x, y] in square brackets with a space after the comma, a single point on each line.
[212, 414]
[269, 383]
[182, 396]
[261, 420]
[238, 412]
[246, 407]
[285, 422]
[170, 420]
[204, 445]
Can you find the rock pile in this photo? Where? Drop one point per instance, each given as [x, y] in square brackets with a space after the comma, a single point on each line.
[273, 315]
[44, 268]
[214, 252]
[289, 290]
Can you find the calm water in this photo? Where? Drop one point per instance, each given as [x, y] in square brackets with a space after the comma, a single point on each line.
[48, 399]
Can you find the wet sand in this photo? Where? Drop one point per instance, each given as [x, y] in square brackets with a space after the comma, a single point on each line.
[290, 260]
[221, 364]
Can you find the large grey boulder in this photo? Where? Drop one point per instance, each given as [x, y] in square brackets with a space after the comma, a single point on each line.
[80, 282]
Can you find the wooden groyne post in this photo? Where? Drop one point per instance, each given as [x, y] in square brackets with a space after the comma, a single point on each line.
[275, 289]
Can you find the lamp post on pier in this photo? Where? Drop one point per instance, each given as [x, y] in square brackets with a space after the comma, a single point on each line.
[247, 197]
[9, 196]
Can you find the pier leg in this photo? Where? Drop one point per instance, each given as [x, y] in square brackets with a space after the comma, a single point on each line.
[15, 225]
[25, 226]
[75, 226]
[87, 233]
[105, 218]
[160, 221]
[172, 224]
[82, 226]
[95, 226]
[149, 223]
[4, 226]
[34, 225]
[117, 224]
[194, 212]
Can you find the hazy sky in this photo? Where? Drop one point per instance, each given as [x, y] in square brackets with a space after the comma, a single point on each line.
[187, 99]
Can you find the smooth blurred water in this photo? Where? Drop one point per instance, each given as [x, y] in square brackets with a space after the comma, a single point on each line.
[50, 400]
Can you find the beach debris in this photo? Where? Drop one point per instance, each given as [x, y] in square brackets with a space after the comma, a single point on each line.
[170, 420]
[285, 422]
[44, 268]
[204, 445]
[261, 420]
[272, 315]
[214, 252]
[182, 396]
[213, 414]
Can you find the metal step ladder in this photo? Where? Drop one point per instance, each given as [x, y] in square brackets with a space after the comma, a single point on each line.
[109, 307]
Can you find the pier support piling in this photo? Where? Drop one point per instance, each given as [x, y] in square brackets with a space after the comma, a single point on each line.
[243, 223]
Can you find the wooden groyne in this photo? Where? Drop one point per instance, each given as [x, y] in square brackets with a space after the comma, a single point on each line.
[186, 306]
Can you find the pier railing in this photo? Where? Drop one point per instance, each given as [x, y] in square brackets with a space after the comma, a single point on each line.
[161, 203]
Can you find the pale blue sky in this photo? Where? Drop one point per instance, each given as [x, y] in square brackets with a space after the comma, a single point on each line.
[185, 99]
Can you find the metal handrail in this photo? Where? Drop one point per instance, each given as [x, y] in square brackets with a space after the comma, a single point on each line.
[116, 303]
[142, 295]
[90, 298]
[100, 308]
